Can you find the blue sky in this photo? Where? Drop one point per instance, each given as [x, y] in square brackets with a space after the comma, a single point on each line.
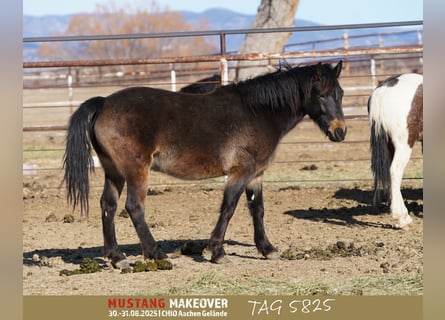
[328, 12]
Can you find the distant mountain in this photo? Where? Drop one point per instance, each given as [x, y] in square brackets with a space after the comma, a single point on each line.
[221, 19]
[44, 25]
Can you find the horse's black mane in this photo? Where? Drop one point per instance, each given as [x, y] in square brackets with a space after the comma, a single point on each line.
[277, 90]
[286, 87]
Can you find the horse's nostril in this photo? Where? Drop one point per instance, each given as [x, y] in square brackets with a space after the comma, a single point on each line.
[340, 133]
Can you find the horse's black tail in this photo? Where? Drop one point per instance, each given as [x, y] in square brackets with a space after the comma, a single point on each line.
[78, 161]
[381, 157]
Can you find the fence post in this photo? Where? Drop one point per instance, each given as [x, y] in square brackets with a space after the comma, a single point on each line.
[224, 69]
[224, 72]
[419, 40]
[69, 80]
[270, 67]
[346, 47]
[381, 45]
[373, 78]
[173, 77]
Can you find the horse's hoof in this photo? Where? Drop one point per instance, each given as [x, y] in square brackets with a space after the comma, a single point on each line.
[222, 260]
[404, 227]
[274, 255]
[404, 223]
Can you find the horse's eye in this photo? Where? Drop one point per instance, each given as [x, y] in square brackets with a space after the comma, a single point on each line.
[338, 94]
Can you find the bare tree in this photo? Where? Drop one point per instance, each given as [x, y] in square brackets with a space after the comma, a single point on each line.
[271, 14]
[144, 17]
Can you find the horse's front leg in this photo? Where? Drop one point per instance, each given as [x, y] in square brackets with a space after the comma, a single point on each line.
[232, 193]
[254, 194]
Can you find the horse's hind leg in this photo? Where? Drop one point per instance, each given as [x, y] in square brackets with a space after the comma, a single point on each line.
[113, 186]
[398, 209]
[254, 194]
[108, 203]
[137, 186]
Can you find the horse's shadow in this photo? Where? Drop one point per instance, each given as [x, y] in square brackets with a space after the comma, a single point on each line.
[347, 216]
[75, 256]
[365, 196]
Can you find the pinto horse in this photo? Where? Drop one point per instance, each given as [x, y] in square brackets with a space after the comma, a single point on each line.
[395, 110]
[233, 130]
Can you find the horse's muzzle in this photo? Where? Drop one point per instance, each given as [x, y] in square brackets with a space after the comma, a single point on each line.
[337, 131]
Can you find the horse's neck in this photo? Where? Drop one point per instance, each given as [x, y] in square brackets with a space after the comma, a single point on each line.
[291, 123]
[283, 121]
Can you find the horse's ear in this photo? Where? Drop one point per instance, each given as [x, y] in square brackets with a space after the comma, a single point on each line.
[337, 68]
[283, 63]
[318, 74]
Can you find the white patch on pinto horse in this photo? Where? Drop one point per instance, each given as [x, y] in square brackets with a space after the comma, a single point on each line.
[389, 106]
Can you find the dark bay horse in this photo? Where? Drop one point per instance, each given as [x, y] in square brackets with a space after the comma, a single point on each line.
[395, 110]
[233, 131]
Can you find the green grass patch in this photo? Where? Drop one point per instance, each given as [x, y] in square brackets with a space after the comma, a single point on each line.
[218, 284]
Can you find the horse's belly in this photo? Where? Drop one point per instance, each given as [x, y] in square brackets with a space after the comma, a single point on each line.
[188, 167]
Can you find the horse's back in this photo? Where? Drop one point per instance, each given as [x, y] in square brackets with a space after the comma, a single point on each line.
[391, 102]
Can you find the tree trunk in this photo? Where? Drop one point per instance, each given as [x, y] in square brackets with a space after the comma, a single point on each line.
[271, 14]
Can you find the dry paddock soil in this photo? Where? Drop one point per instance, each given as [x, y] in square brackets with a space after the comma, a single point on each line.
[331, 239]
